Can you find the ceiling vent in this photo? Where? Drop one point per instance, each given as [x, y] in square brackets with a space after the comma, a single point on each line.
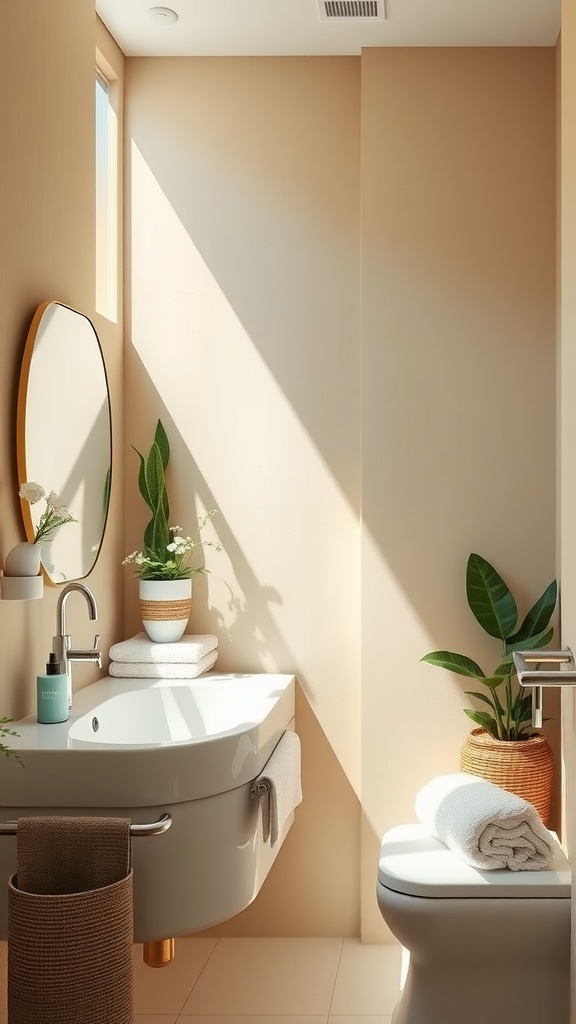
[351, 10]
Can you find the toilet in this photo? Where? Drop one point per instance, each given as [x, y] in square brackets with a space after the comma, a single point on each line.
[486, 947]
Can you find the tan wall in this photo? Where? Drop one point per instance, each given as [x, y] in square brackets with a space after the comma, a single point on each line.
[567, 411]
[458, 157]
[244, 316]
[246, 284]
[47, 54]
[243, 180]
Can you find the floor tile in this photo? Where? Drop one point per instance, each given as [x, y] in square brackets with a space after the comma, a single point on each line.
[267, 976]
[368, 980]
[266, 1018]
[154, 1018]
[358, 1018]
[164, 990]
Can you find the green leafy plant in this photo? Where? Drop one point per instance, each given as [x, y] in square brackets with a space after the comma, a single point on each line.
[166, 552]
[495, 609]
[4, 748]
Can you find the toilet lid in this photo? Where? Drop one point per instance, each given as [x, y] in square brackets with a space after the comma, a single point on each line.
[417, 864]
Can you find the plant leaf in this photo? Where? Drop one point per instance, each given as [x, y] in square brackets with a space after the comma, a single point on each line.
[532, 642]
[157, 533]
[489, 598]
[458, 663]
[161, 439]
[142, 485]
[505, 668]
[538, 618]
[484, 719]
[479, 696]
[493, 681]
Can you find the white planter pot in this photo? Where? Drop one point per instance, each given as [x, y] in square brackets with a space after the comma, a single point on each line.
[165, 608]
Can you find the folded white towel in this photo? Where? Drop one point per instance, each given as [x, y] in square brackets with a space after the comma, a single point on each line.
[160, 670]
[140, 648]
[484, 824]
[278, 787]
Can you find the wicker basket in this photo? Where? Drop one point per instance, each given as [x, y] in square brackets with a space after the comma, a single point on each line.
[524, 767]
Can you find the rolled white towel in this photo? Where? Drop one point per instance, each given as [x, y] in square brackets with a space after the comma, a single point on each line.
[160, 670]
[278, 788]
[484, 824]
[140, 648]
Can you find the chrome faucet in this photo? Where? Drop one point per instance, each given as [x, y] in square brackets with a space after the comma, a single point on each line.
[62, 642]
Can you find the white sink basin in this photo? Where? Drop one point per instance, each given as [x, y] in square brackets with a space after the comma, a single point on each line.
[169, 713]
[144, 742]
[142, 749]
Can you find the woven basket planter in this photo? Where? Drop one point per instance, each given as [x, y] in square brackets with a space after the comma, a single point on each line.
[524, 767]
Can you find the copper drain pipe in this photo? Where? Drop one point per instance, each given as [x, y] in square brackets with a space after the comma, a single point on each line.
[158, 954]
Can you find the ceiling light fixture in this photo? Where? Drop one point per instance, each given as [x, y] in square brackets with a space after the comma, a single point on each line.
[162, 15]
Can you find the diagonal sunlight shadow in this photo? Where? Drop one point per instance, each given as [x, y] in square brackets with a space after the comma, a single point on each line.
[246, 452]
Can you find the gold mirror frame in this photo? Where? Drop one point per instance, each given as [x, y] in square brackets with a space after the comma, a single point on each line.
[64, 435]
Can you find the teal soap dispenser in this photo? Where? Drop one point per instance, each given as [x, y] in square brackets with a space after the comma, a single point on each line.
[52, 694]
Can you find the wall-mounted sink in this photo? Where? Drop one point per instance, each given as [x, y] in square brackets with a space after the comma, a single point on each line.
[139, 748]
[166, 713]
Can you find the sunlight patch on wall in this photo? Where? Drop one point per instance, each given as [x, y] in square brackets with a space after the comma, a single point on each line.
[290, 587]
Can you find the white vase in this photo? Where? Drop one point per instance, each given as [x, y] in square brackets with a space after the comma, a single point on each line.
[23, 560]
[165, 608]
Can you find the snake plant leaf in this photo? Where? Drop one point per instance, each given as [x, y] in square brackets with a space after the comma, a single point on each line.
[157, 536]
[161, 439]
[142, 485]
[538, 618]
[156, 482]
[489, 598]
[484, 719]
[531, 643]
[458, 663]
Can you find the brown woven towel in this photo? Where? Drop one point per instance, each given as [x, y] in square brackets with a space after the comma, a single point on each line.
[70, 924]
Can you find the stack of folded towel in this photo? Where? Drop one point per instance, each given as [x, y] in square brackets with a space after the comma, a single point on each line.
[483, 824]
[141, 658]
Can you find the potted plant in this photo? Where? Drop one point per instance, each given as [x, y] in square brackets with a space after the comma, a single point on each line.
[504, 748]
[22, 579]
[163, 566]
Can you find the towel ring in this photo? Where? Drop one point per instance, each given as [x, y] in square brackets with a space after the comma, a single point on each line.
[152, 828]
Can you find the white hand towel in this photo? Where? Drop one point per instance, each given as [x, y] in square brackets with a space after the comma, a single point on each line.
[484, 824]
[140, 648]
[278, 787]
[160, 670]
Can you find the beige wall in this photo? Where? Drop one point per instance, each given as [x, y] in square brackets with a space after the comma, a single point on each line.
[244, 339]
[458, 159]
[47, 54]
[248, 271]
[247, 179]
[567, 411]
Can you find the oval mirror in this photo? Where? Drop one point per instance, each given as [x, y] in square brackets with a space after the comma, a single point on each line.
[64, 435]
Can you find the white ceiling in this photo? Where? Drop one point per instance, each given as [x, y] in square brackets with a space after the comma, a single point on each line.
[294, 27]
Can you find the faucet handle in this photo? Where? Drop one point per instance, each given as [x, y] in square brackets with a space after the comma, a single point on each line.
[97, 641]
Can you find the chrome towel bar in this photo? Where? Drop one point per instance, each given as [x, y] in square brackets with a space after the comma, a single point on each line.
[152, 828]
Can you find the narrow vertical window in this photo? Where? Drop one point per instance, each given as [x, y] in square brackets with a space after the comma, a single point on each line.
[106, 200]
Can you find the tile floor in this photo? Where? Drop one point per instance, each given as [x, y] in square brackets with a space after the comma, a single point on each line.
[270, 981]
[264, 981]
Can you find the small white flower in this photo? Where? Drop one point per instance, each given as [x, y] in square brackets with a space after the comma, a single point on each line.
[31, 492]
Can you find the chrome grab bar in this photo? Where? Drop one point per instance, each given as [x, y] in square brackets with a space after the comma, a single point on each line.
[547, 676]
[152, 828]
